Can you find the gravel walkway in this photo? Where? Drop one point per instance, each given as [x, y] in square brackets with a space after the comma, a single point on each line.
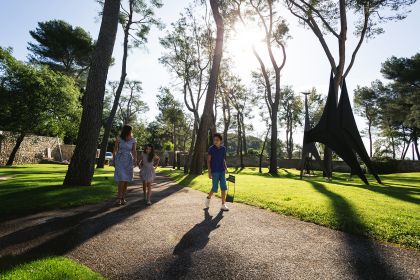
[176, 239]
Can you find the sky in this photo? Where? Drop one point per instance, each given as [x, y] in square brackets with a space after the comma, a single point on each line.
[306, 66]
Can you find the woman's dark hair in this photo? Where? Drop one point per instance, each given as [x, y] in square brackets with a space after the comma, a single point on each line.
[125, 132]
[218, 135]
[150, 156]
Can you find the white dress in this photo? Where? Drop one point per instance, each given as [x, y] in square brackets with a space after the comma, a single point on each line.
[147, 171]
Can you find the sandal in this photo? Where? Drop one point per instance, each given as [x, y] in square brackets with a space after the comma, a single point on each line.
[149, 203]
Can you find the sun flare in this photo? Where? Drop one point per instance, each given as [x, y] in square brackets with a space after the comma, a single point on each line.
[240, 44]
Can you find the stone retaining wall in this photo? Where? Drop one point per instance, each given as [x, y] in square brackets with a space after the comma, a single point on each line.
[33, 149]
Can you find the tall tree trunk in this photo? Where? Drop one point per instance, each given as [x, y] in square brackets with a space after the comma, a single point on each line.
[225, 137]
[273, 143]
[393, 147]
[405, 150]
[243, 133]
[110, 120]
[327, 172]
[262, 150]
[238, 136]
[81, 168]
[416, 145]
[240, 147]
[226, 120]
[12, 156]
[291, 144]
[174, 140]
[370, 139]
[206, 119]
[187, 163]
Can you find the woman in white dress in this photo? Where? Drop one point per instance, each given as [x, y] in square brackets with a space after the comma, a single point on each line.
[148, 163]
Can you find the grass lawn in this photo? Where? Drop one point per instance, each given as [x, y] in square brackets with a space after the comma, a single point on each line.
[27, 189]
[52, 268]
[389, 213]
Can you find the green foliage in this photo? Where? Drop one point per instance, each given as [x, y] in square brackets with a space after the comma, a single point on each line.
[168, 146]
[36, 99]
[366, 102]
[131, 105]
[62, 47]
[51, 268]
[394, 107]
[156, 134]
[174, 125]
[254, 152]
[138, 17]
[405, 74]
[131, 108]
[316, 103]
[389, 212]
[35, 188]
[290, 116]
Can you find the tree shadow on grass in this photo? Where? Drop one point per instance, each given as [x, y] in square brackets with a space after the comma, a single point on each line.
[61, 235]
[20, 201]
[194, 240]
[364, 256]
[401, 192]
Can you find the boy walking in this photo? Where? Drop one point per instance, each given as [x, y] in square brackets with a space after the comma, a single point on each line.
[216, 162]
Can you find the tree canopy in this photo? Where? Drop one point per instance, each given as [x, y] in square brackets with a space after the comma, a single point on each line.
[62, 47]
[35, 99]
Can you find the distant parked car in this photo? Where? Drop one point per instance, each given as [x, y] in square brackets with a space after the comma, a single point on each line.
[108, 157]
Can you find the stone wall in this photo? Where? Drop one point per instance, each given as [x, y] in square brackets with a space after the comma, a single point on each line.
[33, 149]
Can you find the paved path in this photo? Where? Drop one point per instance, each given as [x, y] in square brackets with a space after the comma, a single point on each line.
[176, 239]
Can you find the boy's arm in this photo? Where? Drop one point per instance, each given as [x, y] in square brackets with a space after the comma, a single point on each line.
[226, 166]
[209, 165]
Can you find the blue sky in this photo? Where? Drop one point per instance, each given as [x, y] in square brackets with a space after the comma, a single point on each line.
[306, 66]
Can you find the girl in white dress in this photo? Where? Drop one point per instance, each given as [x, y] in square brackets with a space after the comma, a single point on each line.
[148, 163]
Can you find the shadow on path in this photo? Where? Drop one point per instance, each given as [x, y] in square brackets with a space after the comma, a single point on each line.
[195, 239]
[364, 256]
[58, 236]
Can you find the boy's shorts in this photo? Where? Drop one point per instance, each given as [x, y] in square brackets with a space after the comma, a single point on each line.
[216, 178]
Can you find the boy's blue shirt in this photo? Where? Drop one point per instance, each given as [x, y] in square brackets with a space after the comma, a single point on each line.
[218, 155]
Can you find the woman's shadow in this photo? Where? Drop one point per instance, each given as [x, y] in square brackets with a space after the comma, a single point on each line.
[194, 240]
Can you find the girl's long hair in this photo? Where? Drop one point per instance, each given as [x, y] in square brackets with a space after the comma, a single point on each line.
[125, 132]
[150, 156]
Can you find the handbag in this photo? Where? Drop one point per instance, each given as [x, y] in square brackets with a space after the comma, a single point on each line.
[230, 196]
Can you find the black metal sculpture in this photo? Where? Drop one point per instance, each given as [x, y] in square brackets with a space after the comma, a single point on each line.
[349, 127]
[337, 130]
[308, 149]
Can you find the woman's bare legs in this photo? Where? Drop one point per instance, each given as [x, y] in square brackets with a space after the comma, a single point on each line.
[124, 191]
[145, 190]
[149, 192]
[120, 191]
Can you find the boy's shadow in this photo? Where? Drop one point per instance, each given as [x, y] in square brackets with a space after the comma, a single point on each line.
[194, 240]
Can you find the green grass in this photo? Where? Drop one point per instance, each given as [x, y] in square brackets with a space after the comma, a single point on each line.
[389, 213]
[35, 188]
[50, 269]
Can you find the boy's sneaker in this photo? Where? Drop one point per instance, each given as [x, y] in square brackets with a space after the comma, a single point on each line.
[207, 203]
[224, 208]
